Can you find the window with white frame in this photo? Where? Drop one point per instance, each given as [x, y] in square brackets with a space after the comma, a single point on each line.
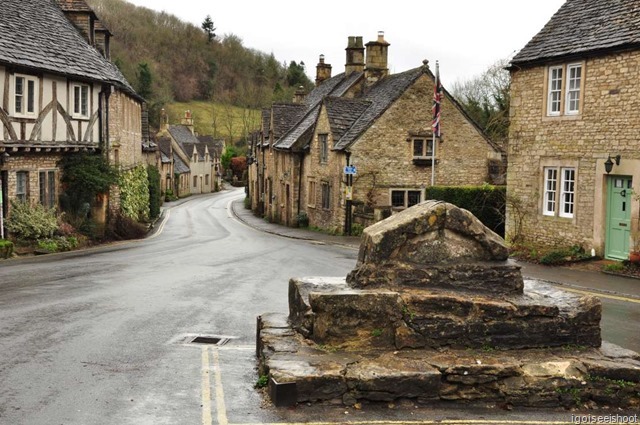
[422, 148]
[564, 89]
[326, 195]
[25, 102]
[323, 141]
[22, 185]
[47, 182]
[574, 77]
[559, 191]
[405, 198]
[80, 100]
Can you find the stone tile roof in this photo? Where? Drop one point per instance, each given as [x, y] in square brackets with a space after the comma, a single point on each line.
[164, 144]
[35, 34]
[74, 6]
[343, 113]
[215, 146]
[381, 95]
[182, 135]
[179, 166]
[585, 26]
[285, 116]
[299, 135]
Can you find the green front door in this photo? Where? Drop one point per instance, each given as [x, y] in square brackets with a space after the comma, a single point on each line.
[618, 217]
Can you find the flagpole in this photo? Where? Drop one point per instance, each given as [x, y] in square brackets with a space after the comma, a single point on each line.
[436, 124]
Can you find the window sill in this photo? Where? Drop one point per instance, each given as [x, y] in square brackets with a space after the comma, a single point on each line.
[79, 118]
[424, 161]
[565, 117]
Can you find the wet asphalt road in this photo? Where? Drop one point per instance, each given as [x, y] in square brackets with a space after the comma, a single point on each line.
[97, 337]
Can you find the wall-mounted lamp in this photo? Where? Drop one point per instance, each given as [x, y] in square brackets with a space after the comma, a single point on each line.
[608, 164]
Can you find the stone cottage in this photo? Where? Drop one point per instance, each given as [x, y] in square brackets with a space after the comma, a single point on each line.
[60, 95]
[574, 157]
[377, 122]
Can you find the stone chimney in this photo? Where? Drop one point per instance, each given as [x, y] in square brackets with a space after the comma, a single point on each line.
[377, 66]
[355, 56]
[187, 121]
[300, 95]
[164, 121]
[323, 71]
[103, 39]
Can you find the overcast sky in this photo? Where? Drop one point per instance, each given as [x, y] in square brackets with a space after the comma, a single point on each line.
[465, 36]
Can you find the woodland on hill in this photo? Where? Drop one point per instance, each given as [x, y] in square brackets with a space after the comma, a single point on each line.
[169, 60]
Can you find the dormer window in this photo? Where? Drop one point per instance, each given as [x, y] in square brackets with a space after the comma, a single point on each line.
[80, 101]
[422, 148]
[25, 102]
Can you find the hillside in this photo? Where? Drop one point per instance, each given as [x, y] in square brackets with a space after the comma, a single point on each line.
[169, 60]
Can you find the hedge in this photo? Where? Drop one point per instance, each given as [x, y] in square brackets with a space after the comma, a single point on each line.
[485, 202]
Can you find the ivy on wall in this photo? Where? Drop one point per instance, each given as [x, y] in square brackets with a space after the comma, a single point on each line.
[134, 193]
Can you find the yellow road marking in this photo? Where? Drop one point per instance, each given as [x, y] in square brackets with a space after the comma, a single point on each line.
[600, 295]
[220, 406]
[434, 422]
[206, 388]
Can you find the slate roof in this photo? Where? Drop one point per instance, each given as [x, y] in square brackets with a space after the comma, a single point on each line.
[285, 116]
[343, 113]
[215, 146]
[164, 144]
[35, 34]
[74, 5]
[179, 166]
[300, 134]
[381, 95]
[182, 135]
[585, 26]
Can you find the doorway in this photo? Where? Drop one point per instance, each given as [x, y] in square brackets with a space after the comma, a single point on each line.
[619, 195]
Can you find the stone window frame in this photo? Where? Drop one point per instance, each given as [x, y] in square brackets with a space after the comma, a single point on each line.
[559, 180]
[566, 90]
[325, 188]
[323, 146]
[47, 182]
[406, 201]
[195, 181]
[426, 143]
[29, 99]
[206, 179]
[80, 100]
[312, 192]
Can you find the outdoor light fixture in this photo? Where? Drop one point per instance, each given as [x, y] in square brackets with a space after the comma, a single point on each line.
[4, 157]
[608, 164]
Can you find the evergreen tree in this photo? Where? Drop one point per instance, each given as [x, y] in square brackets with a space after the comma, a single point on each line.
[209, 29]
[145, 80]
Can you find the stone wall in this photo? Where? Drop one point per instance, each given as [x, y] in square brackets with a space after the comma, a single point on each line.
[125, 130]
[33, 164]
[608, 125]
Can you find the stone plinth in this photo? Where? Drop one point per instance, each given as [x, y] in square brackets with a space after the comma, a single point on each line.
[435, 311]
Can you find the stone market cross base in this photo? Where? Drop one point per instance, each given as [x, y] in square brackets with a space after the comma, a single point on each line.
[363, 366]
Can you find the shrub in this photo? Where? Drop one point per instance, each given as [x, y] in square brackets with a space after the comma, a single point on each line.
[58, 244]
[247, 203]
[123, 227]
[31, 222]
[169, 196]
[155, 196]
[486, 202]
[84, 177]
[6, 248]
[357, 229]
[302, 219]
[134, 193]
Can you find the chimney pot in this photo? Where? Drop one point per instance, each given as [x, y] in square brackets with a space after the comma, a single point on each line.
[323, 71]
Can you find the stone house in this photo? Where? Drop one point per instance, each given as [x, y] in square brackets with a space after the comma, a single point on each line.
[194, 160]
[574, 157]
[374, 121]
[60, 95]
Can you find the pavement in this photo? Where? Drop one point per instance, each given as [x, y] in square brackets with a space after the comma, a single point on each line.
[580, 279]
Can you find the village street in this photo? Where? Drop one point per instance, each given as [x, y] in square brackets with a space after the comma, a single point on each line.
[101, 337]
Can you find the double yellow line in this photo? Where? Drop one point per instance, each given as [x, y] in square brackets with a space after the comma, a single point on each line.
[221, 408]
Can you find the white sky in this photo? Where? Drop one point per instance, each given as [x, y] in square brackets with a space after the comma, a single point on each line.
[465, 36]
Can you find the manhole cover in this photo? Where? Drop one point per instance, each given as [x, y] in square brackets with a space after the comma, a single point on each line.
[199, 339]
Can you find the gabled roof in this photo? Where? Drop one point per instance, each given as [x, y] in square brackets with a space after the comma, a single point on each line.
[36, 35]
[343, 113]
[182, 135]
[164, 145]
[284, 116]
[74, 6]
[299, 135]
[179, 166]
[215, 146]
[580, 27]
[381, 95]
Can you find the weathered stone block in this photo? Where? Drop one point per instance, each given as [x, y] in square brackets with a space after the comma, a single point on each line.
[300, 313]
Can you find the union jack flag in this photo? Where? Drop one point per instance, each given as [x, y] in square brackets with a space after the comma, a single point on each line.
[437, 98]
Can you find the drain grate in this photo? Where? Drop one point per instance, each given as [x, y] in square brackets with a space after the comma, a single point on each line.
[211, 340]
[199, 339]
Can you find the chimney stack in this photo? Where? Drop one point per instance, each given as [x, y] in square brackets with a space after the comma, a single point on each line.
[300, 95]
[355, 56]
[323, 71]
[164, 121]
[187, 121]
[377, 66]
